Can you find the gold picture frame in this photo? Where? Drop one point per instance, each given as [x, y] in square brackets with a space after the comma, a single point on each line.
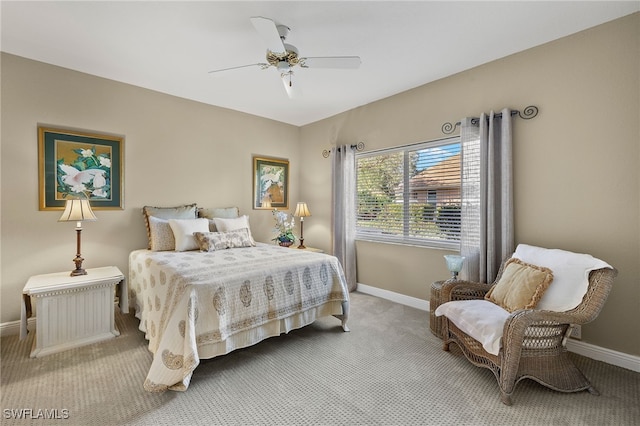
[75, 163]
[270, 183]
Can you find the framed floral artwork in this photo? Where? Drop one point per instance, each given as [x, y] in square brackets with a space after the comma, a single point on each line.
[79, 164]
[270, 183]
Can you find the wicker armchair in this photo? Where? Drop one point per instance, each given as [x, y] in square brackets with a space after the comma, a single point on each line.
[534, 341]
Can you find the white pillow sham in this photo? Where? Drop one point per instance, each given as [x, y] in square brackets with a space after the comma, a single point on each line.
[223, 225]
[183, 230]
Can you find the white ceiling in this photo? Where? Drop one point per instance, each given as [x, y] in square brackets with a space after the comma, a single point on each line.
[170, 46]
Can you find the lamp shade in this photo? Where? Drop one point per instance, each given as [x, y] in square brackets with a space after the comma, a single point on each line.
[302, 210]
[77, 210]
[454, 262]
[266, 202]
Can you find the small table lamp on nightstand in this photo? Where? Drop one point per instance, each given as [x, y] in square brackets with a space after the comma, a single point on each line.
[77, 211]
[302, 211]
[454, 264]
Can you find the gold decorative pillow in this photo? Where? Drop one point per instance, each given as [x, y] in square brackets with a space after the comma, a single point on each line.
[160, 235]
[187, 211]
[521, 285]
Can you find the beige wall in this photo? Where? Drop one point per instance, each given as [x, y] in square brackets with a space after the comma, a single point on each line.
[176, 151]
[576, 166]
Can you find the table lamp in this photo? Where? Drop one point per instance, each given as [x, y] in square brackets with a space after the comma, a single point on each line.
[266, 202]
[454, 264]
[77, 210]
[302, 211]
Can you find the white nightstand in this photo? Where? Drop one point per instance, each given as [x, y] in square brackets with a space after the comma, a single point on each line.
[73, 311]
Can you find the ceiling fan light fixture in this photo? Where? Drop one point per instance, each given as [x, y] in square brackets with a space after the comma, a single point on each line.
[283, 67]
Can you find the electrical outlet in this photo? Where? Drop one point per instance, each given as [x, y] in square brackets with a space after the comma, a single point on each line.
[576, 332]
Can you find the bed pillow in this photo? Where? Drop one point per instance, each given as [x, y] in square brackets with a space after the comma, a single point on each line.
[186, 211]
[183, 230]
[521, 285]
[226, 212]
[211, 241]
[570, 274]
[223, 225]
[160, 235]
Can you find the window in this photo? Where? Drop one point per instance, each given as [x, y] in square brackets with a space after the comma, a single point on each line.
[410, 195]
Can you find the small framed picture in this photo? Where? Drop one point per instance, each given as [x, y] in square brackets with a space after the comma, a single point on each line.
[75, 164]
[270, 183]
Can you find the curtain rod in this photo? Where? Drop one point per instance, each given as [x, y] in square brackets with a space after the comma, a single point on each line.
[358, 147]
[528, 113]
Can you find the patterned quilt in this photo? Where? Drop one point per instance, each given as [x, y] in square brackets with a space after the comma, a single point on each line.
[197, 305]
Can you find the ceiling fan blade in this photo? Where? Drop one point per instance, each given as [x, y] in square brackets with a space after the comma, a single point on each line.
[263, 65]
[341, 62]
[269, 33]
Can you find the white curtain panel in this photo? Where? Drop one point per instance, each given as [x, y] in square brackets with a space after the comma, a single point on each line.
[487, 235]
[344, 210]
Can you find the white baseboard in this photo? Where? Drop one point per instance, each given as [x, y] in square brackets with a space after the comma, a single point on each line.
[13, 327]
[414, 302]
[619, 359]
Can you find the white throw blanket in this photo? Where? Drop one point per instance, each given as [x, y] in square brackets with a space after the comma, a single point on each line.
[570, 275]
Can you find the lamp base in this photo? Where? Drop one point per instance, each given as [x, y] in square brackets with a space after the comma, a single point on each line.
[301, 246]
[78, 271]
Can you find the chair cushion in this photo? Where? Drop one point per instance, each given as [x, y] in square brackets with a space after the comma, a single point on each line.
[570, 275]
[521, 285]
[481, 319]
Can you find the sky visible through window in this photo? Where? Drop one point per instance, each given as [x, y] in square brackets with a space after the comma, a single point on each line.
[432, 156]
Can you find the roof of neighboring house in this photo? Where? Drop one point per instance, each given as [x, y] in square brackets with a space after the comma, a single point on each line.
[444, 174]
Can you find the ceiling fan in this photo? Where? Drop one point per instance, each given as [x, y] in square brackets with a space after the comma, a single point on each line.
[284, 57]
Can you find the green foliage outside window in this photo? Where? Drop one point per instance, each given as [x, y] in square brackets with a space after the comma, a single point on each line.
[428, 209]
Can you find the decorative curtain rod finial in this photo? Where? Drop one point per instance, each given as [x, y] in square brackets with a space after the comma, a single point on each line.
[448, 128]
[358, 147]
[527, 114]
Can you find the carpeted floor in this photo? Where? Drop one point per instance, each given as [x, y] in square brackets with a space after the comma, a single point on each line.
[389, 370]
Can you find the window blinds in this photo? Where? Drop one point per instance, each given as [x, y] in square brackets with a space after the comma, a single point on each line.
[410, 194]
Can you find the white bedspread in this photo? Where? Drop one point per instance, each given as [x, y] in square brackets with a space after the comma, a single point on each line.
[197, 305]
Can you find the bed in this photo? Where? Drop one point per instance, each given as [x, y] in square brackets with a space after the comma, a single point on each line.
[196, 305]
